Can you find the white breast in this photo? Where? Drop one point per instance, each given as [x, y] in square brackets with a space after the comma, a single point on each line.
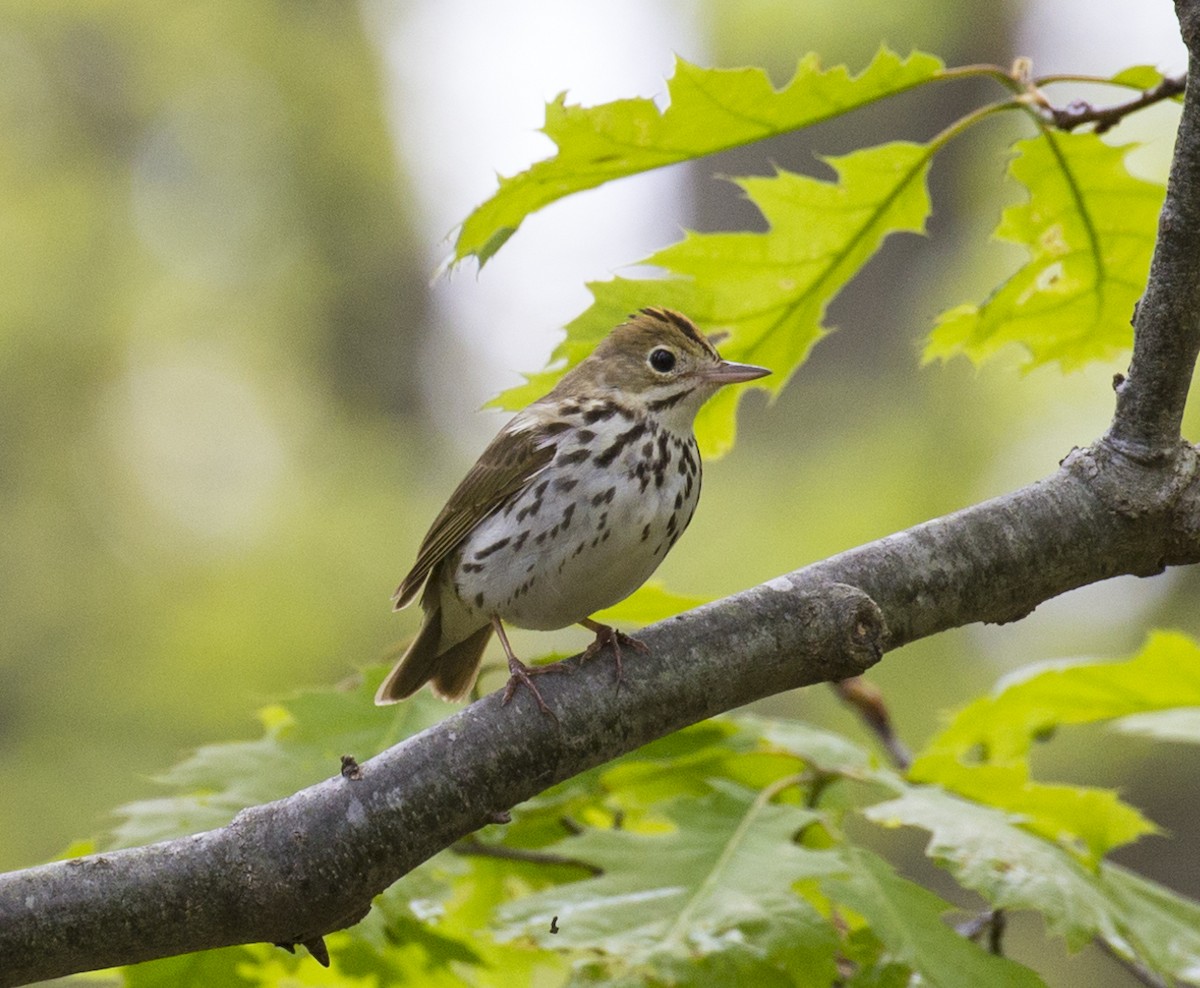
[591, 528]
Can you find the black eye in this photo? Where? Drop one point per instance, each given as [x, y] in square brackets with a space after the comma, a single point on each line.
[662, 360]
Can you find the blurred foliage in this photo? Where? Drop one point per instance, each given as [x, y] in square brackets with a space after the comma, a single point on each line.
[209, 309]
[213, 461]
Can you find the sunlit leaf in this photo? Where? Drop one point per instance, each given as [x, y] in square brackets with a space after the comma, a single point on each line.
[769, 290]
[200, 970]
[987, 850]
[710, 110]
[1141, 77]
[983, 752]
[1088, 227]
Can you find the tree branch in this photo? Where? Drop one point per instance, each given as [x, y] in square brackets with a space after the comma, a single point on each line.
[294, 870]
[1166, 321]
[1078, 113]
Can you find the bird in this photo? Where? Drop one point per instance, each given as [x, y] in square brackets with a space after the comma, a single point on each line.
[568, 510]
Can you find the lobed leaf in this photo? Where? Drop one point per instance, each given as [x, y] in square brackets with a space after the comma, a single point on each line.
[710, 110]
[1088, 228]
[983, 752]
[769, 290]
[720, 885]
[987, 850]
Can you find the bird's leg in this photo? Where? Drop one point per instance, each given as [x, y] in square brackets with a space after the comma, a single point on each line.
[519, 674]
[607, 635]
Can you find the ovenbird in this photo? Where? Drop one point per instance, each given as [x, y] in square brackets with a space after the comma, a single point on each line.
[570, 508]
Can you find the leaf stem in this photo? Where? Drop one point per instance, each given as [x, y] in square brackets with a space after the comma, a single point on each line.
[981, 71]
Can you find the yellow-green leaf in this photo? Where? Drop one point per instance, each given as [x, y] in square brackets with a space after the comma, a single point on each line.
[909, 920]
[983, 752]
[769, 290]
[1088, 227]
[718, 889]
[710, 110]
[649, 603]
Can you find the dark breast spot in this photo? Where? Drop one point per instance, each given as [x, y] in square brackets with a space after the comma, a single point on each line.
[601, 413]
[623, 439]
[489, 549]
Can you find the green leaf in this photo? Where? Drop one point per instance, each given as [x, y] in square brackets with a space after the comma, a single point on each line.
[1155, 926]
[302, 743]
[649, 603]
[983, 752]
[908, 919]
[1142, 77]
[1088, 227]
[769, 290]
[986, 850]
[200, 970]
[718, 886]
[710, 110]
[823, 750]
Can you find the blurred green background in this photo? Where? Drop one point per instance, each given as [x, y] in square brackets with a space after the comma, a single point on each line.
[232, 398]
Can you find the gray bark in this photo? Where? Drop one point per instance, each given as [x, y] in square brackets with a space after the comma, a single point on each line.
[293, 870]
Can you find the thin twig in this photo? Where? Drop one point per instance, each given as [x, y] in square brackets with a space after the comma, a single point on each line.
[866, 699]
[1079, 112]
[990, 921]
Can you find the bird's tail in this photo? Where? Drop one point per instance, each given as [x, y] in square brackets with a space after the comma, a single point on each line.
[451, 671]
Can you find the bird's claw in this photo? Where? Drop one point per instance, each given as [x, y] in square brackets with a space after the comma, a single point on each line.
[606, 635]
[519, 674]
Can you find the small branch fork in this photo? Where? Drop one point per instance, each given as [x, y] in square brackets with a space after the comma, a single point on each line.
[1079, 113]
[1027, 89]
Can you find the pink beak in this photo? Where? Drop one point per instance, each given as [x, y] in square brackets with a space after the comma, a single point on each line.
[727, 372]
